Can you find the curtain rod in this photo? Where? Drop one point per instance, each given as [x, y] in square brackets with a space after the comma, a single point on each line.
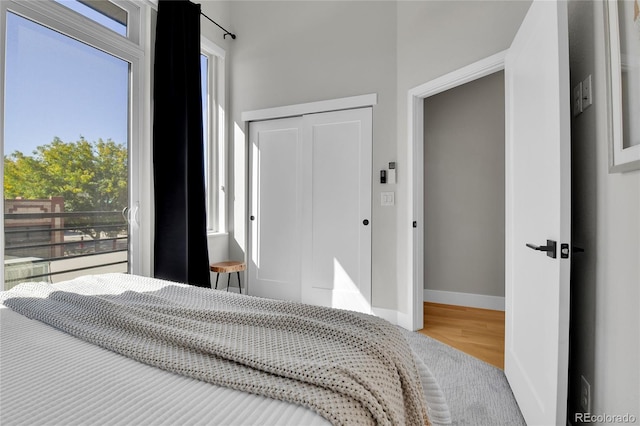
[226, 33]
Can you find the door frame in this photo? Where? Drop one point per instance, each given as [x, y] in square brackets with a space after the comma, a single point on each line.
[350, 102]
[415, 155]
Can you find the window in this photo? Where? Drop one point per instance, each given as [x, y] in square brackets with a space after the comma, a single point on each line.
[213, 107]
[103, 12]
[72, 134]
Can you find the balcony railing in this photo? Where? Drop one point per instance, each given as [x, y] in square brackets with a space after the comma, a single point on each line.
[60, 245]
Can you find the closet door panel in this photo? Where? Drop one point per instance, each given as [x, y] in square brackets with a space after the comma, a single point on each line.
[336, 268]
[335, 214]
[275, 209]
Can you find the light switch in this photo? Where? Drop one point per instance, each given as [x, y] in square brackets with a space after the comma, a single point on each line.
[387, 198]
[587, 93]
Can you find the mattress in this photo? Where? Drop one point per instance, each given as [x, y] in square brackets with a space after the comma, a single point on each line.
[49, 377]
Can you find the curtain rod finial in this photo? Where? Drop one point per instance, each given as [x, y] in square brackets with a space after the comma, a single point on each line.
[226, 33]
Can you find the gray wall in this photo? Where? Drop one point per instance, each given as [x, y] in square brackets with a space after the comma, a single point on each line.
[605, 280]
[464, 199]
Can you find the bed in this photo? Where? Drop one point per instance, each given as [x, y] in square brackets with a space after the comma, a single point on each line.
[125, 349]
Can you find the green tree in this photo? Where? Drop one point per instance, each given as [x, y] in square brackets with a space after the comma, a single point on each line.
[90, 176]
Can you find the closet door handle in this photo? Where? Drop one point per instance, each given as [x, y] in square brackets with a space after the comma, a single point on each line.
[365, 222]
[252, 217]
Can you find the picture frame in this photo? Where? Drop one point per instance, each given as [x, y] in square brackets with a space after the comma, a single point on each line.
[622, 50]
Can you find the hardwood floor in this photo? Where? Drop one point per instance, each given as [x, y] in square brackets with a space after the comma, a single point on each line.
[477, 332]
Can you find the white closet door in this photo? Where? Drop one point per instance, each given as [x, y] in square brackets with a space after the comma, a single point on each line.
[336, 229]
[275, 209]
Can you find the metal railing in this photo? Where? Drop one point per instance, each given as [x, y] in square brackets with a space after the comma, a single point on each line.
[43, 245]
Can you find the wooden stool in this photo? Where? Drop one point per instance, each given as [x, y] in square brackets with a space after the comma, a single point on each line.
[228, 267]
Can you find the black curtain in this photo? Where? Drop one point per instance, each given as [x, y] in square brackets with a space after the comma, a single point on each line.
[178, 159]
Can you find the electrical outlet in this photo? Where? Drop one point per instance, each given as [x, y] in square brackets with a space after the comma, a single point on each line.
[387, 198]
[585, 395]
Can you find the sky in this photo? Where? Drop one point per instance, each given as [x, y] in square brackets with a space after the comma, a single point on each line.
[59, 87]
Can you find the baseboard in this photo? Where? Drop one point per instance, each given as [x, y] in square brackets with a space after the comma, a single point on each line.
[390, 315]
[464, 299]
[398, 318]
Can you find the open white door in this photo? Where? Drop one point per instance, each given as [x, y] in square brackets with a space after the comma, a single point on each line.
[538, 209]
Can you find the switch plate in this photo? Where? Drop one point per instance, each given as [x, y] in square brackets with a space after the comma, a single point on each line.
[587, 93]
[391, 176]
[577, 99]
[387, 198]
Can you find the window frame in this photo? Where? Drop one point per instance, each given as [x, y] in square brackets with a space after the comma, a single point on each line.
[134, 49]
[216, 135]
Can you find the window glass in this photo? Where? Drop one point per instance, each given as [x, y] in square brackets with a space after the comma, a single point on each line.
[65, 156]
[213, 88]
[101, 11]
[204, 78]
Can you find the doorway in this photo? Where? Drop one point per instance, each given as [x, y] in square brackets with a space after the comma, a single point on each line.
[537, 139]
[464, 217]
[417, 96]
[464, 194]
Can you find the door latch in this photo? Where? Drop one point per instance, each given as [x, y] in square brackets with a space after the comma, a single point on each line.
[565, 250]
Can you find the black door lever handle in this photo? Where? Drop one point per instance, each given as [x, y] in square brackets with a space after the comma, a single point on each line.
[550, 248]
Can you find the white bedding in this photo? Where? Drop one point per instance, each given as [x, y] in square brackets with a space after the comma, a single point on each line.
[49, 377]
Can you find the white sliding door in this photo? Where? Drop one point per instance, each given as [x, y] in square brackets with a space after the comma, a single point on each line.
[75, 175]
[310, 211]
[336, 227]
[276, 206]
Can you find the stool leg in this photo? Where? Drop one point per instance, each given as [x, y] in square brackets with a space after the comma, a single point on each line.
[217, 276]
[228, 281]
[239, 283]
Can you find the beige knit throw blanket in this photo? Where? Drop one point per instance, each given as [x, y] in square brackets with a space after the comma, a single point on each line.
[350, 368]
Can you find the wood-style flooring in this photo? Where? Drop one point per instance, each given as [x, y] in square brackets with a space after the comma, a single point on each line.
[477, 332]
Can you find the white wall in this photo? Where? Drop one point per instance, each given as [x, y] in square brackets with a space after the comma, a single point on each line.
[219, 12]
[605, 280]
[296, 52]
